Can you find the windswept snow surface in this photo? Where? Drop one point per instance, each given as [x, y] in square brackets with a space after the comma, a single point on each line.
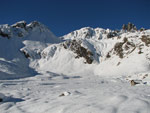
[86, 71]
[53, 93]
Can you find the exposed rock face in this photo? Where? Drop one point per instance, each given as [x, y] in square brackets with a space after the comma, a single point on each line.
[111, 34]
[118, 49]
[76, 47]
[1, 99]
[4, 34]
[146, 39]
[129, 27]
[122, 48]
[34, 24]
[21, 24]
[25, 54]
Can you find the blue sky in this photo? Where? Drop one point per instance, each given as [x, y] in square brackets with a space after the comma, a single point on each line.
[64, 16]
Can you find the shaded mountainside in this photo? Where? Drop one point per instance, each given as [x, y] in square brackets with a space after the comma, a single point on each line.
[15, 41]
[33, 46]
[33, 31]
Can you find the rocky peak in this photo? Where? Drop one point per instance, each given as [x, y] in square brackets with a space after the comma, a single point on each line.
[129, 27]
[88, 33]
[34, 24]
[20, 29]
[21, 24]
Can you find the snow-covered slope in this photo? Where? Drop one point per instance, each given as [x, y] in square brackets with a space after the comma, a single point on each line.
[15, 40]
[85, 71]
[87, 49]
[129, 55]
[98, 50]
[78, 52]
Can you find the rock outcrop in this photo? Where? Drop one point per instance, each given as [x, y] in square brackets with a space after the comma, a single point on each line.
[129, 27]
[79, 50]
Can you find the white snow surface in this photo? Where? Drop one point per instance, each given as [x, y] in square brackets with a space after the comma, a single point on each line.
[41, 73]
[53, 93]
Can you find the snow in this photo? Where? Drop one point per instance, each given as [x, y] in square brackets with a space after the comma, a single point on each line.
[39, 74]
[88, 93]
[65, 64]
[12, 59]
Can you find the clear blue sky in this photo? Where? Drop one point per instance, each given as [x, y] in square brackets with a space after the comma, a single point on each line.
[64, 16]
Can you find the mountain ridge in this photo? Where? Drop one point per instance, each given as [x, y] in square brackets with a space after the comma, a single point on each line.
[85, 49]
[105, 70]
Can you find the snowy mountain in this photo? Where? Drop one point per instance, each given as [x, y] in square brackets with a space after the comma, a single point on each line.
[86, 49]
[96, 49]
[15, 40]
[92, 66]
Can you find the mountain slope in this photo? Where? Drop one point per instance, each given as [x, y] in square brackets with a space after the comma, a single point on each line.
[86, 71]
[96, 50]
[121, 52]
[26, 36]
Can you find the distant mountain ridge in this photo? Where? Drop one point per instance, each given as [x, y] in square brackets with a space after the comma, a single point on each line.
[22, 29]
[123, 52]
